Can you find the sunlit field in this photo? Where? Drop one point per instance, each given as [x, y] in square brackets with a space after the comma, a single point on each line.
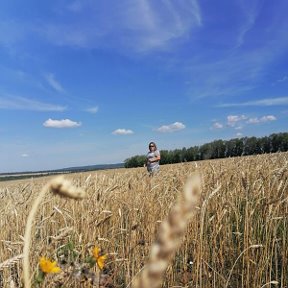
[237, 237]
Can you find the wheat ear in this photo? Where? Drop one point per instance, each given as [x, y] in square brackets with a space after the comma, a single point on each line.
[59, 186]
[170, 235]
[10, 262]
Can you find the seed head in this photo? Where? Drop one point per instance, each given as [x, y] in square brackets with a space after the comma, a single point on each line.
[65, 188]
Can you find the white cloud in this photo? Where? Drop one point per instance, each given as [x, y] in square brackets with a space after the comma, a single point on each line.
[268, 118]
[253, 120]
[263, 119]
[262, 102]
[122, 132]
[65, 123]
[239, 134]
[24, 155]
[217, 125]
[54, 83]
[92, 110]
[171, 128]
[21, 103]
[232, 120]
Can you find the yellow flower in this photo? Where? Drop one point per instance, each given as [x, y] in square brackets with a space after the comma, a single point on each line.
[100, 259]
[48, 267]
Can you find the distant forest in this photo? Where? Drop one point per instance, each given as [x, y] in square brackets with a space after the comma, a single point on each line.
[277, 142]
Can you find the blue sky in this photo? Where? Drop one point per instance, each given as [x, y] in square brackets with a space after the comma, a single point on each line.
[92, 82]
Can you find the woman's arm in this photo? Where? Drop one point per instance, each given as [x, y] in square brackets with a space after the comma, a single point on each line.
[156, 158]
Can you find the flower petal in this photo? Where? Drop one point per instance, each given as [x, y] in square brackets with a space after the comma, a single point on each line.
[96, 251]
[47, 266]
[101, 261]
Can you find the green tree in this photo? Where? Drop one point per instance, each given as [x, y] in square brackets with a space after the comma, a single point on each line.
[219, 149]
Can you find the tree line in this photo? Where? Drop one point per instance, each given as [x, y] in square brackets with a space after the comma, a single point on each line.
[276, 142]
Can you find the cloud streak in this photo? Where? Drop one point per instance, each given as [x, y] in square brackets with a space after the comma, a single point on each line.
[159, 25]
[230, 71]
[22, 103]
[140, 26]
[92, 110]
[283, 79]
[250, 11]
[262, 102]
[54, 83]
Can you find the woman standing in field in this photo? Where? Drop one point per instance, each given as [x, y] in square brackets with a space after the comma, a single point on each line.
[152, 159]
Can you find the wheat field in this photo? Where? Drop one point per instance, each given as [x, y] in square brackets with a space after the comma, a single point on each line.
[237, 237]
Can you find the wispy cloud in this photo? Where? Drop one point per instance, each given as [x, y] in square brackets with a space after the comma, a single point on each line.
[16, 32]
[230, 72]
[24, 155]
[54, 83]
[92, 110]
[262, 102]
[171, 127]
[75, 6]
[122, 132]
[64, 123]
[250, 12]
[21, 103]
[20, 78]
[232, 75]
[283, 79]
[136, 26]
[160, 22]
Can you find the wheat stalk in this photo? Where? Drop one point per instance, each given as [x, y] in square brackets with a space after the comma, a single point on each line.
[230, 274]
[59, 186]
[170, 235]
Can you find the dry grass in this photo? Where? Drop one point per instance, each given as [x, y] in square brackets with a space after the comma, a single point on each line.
[238, 238]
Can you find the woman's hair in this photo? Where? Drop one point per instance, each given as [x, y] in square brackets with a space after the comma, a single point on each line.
[153, 143]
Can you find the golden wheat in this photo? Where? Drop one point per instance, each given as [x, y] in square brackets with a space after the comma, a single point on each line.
[244, 203]
[10, 262]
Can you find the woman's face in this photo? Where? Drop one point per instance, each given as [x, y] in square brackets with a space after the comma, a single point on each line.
[152, 147]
